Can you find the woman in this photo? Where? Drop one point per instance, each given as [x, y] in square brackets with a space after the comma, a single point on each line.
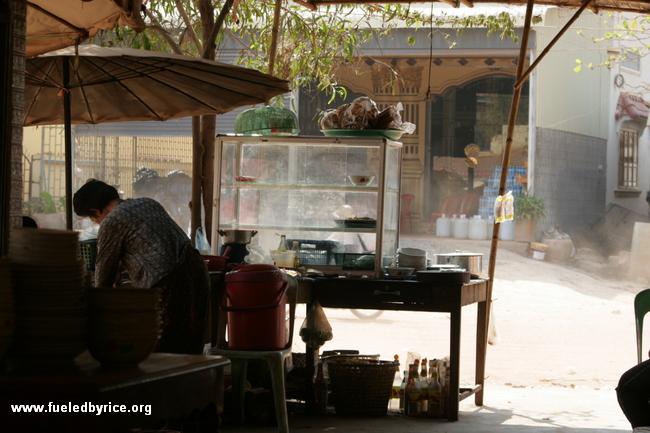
[139, 237]
[633, 394]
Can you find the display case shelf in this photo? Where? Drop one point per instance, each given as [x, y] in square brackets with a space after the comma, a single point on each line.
[297, 229]
[313, 187]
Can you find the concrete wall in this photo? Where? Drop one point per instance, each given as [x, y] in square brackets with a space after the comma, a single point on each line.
[634, 82]
[570, 177]
[566, 100]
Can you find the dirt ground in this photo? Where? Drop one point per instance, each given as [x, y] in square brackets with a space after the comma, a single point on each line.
[557, 326]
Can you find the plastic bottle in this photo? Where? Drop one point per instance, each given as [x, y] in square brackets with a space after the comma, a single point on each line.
[507, 231]
[295, 246]
[443, 227]
[283, 243]
[460, 227]
[477, 228]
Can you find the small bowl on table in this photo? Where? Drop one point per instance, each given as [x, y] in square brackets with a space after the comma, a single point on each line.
[361, 179]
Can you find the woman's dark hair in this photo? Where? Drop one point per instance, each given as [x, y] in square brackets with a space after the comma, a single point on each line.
[95, 194]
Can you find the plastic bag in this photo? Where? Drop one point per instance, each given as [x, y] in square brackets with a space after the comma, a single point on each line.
[201, 242]
[316, 329]
[504, 208]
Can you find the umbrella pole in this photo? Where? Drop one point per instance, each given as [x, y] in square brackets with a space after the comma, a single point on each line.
[514, 109]
[68, 143]
[197, 176]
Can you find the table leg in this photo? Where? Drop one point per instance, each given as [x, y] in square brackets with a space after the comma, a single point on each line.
[454, 364]
[311, 362]
[481, 346]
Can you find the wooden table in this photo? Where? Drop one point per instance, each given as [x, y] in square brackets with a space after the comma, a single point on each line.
[181, 389]
[409, 295]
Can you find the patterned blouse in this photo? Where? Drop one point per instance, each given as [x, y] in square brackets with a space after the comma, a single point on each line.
[138, 236]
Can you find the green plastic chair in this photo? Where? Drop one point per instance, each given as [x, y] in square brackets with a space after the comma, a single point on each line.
[641, 307]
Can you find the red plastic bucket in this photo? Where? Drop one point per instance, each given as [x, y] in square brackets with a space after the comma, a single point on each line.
[256, 304]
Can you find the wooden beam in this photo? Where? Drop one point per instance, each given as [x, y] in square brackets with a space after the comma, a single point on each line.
[556, 38]
[624, 7]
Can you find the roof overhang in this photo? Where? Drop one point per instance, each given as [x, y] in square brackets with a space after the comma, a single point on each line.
[639, 6]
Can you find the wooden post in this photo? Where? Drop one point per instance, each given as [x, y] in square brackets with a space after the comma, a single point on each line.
[197, 175]
[6, 112]
[67, 120]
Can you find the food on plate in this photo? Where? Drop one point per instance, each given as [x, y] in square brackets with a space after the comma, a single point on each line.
[330, 120]
[363, 113]
[387, 117]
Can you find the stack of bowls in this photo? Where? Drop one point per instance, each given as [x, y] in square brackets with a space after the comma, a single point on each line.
[412, 258]
[49, 296]
[6, 308]
[125, 325]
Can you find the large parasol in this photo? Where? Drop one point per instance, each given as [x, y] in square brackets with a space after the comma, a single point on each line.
[97, 84]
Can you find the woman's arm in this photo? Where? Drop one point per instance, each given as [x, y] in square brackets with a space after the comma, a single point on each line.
[109, 253]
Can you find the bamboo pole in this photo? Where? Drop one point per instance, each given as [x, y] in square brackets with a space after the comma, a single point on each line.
[514, 109]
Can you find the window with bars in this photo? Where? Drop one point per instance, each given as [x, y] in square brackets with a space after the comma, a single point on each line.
[628, 159]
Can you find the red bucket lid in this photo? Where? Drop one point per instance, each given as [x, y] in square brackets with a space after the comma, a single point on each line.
[254, 272]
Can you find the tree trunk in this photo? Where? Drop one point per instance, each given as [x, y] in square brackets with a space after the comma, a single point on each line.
[208, 122]
[208, 131]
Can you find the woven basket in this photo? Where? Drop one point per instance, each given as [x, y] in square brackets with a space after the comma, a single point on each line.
[361, 387]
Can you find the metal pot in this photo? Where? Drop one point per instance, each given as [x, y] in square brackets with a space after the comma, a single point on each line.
[237, 236]
[472, 262]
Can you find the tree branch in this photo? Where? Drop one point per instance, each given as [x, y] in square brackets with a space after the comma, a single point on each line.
[168, 38]
[218, 24]
[274, 35]
[188, 24]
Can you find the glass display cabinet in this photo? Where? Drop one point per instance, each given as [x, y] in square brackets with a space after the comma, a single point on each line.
[336, 199]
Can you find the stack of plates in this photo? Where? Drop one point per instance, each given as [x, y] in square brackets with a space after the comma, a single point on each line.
[6, 308]
[412, 258]
[49, 296]
[125, 325]
[44, 247]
